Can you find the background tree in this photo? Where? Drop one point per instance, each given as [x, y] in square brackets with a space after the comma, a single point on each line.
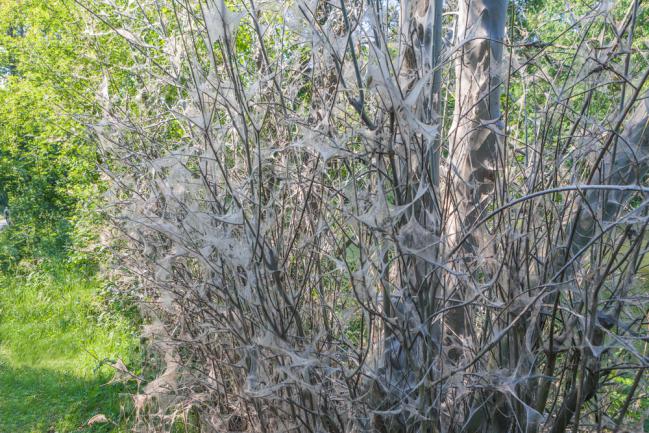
[47, 162]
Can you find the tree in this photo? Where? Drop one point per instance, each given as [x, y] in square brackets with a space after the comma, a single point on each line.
[381, 217]
[47, 161]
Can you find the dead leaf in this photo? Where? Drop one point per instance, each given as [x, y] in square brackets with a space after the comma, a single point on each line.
[98, 419]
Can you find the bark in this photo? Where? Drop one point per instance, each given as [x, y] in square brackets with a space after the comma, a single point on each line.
[475, 152]
[417, 162]
[627, 164]
[475, 142]
[476, 135]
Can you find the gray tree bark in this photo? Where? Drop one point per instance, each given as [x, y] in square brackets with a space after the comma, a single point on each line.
[475, 141]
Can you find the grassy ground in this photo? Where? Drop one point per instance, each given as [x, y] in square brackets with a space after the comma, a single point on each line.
[55, 328]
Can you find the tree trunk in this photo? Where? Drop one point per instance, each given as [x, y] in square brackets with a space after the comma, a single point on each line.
[475, 150]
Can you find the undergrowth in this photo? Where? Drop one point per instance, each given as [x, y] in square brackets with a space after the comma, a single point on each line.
[59, 332]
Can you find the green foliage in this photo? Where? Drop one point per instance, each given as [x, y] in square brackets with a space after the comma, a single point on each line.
[46, 158]
[59, 328]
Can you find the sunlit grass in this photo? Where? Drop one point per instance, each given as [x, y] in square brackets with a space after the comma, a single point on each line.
[55, 329]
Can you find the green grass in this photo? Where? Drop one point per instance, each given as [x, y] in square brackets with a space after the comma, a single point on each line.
[55, 328]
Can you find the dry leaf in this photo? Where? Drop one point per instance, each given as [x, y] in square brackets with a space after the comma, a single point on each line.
[98, 419]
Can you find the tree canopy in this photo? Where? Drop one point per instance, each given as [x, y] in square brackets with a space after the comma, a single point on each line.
[47, 161]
